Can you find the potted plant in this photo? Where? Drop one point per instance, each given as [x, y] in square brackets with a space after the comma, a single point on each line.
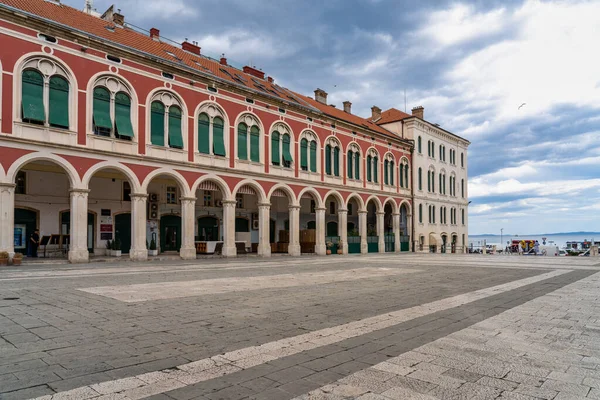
[153, 251]
[116, 248]
[3, 258]
[108, 248]
[329, 246]
[17, 258]
[340, 249]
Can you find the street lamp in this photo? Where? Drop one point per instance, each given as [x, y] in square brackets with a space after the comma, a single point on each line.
[501, 237]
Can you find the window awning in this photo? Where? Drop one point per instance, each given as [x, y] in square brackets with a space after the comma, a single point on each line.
[123, 120]
[435, 239]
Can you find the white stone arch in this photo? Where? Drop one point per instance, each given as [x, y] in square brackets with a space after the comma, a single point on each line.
[217, 180]
[69, 169]
[114, 83]
[260, 193]
[1, 74]
[375, 199]
[213, 110]
[394, 204]
[104, 165]
[288, 191]
[169, 98]
[315, 195]
[406, 204]
[310, 135]
[52, 66]
[183, 185]
[359, 201]
[338, 197]
[250, 119]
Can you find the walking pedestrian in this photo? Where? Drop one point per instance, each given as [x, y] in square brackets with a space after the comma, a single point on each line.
[34, 242]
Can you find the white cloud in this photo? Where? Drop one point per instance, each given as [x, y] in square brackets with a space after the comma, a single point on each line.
[244, 46]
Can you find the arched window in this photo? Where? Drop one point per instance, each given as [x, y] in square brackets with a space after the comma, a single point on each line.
[286, 142]
[45, 94]
[211, 127]
[403, 174]
[372, 166]
[280, 148]
[275, 150]
[419, 145]
[111, 109]
[462, 160]
[353, 162]
[166, 121]
[248, 139]
[406, 175]
[429, 181]
[462, 188]
[332, 157]
[462, 212]
[369, 171]
[432, 149]
[308, 151]
[420, 213]
[388, 169]
[433, 214]
[350, 163]
[420, 176]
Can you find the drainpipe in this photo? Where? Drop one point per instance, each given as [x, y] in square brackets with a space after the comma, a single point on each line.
[412, 189]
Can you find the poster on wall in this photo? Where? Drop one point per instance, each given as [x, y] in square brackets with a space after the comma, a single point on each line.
[105, 236]
[20, 236]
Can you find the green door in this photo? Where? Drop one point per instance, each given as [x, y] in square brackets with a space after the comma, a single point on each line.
[272, 231]
[208, 229]
[373, 244]
[390, 243]
[123, 231]
[65, 227]
[353, 244]
[404, 243]
[25, 224]
[170, 233]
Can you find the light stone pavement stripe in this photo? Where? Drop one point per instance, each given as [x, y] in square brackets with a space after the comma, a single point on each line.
[170, 290]
[153, 383]
[547, 348]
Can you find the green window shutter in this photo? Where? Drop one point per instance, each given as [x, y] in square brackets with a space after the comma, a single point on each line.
[123, 115]
[157, 124]
[419, 144]
[369, 168]
[175, 136]
[420, 179]
[242, 141]
[204, 134]
[328, 160]
[275, 156]
[420, 213]
[357, 165]
[102, 109]
[287, 155]
[429, 181]
[406, 175]
[218, 137]
[304, 154]
[59, 102]
[375, 169]
[350, 160]
[392, 164]
[313, 156]
[32, 105]
[255, 144]
[386, 178]
[432, 182]
[336, 161]
[401, 175]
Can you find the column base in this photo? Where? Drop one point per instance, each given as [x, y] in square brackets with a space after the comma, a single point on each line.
[364, 248]
[187, 254]
[264, 251]
[138, 255]
[294, 250]
[320, 249]
[345, 249]
[79, 256]
[229, 251]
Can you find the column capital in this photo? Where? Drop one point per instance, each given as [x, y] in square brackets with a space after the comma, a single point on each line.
[320, 209]
[229, 202]
[264, 205]
[342, 210]
[362, 212]
[7, 185]
[79, 190]
[190, 198]
[396, 214]
[293, 207]
[139, 196]
[379, 213]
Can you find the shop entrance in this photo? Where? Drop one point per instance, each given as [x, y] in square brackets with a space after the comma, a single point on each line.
[170, 233]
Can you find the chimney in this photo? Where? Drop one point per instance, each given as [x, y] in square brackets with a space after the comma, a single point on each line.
[375, 113]
[347, 107]
[254, 72]
[418, 112]
[119, 19]
[270, 79]
[191, 47]
[154, 33]
[113, 16]
[223, 60]
[321, 96]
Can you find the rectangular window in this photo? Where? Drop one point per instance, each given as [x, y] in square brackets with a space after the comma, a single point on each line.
[332, 208]
[207, 199]
[239, 199]
[21, 183]
[126, 191]
[171, 195]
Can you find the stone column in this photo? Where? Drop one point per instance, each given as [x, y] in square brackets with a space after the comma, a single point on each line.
[7, 218]
[264, 242]
[229, 249]
[409, 223]
[381, 230]
[396, 219]
[320, 247]
[362, 229]
[294, 218]
[343, 228]
[188, 214]
[138, 251]
[78, 250]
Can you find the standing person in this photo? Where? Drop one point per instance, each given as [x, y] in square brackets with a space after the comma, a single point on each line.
[34, 242]
[536, 248]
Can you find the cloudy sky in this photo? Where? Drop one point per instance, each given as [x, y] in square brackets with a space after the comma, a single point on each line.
[470, 64]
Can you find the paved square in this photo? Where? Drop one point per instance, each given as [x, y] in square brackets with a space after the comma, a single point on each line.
[369, 327]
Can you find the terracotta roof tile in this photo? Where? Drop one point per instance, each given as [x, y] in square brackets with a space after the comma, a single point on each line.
[392, 115]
